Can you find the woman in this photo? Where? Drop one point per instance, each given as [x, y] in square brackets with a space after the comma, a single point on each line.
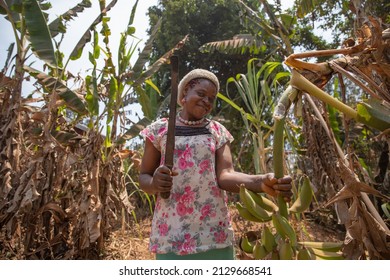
[194, 222]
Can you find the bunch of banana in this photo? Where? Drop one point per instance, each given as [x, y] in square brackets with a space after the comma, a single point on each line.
[284, 228]
[286, 251]
[263, 202]
[244, 212]
[324, 246]
[268, 239]
[246, 245]
[325, 255]
[324, 250]
[259, 251]
[254, 209]
[304, 198]
[304, 254]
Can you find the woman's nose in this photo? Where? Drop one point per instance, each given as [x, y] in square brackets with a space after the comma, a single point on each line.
[206, 100]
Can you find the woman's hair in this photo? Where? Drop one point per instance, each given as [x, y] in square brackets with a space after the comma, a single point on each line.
[195, 75]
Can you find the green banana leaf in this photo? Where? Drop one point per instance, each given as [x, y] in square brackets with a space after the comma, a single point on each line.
[59, 24]
[39, 34]
[143, 57]
[78, 49]
[133, 131]
[72, 100]
[374, 113]
[156, 66]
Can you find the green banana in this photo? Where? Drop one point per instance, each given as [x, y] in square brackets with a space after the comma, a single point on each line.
[284, 228]
[245, 245]
[259, 251]
[253, 208]
[304, 198]
[275, 255]
[278, 226]
[263, 202]
[244, 212]
[282, 204]
[268, 239]
[324, 246]
[324, 255]
[286, 251]
[303, 254]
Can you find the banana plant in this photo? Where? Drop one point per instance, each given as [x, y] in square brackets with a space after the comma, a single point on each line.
[256, 94]
[79, 169]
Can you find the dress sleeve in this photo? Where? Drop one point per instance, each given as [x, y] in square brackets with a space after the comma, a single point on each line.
[155, 132]
[220, 133]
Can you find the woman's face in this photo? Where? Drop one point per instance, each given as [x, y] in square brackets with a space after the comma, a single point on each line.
[199, 98]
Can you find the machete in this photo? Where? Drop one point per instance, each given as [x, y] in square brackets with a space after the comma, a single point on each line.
[170, 146]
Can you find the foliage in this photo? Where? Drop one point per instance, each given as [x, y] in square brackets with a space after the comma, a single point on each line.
[63, 183]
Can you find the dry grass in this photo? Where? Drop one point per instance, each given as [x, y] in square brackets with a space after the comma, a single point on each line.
[132, 244]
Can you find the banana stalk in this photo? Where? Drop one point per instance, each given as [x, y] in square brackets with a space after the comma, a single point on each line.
[278, 145]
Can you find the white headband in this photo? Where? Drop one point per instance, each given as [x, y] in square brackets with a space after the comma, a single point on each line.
[195, 74]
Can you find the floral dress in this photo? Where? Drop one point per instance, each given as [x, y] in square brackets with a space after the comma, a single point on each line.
[195, 217]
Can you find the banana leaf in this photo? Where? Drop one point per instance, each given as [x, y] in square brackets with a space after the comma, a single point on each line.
[78, 49]
[72, 100]
[58, 25]
[133, 131]
[156, 66]
[39, 34]
[374, 113]
[143, 57]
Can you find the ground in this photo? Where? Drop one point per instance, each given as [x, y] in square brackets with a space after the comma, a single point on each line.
[132, 244]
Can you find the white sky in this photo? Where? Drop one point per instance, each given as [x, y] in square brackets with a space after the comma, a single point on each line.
[119, 18]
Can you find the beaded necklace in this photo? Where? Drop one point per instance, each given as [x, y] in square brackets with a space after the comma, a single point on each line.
[190, 122]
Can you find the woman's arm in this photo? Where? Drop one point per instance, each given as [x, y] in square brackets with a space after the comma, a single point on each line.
[230, 180]
[154, 178]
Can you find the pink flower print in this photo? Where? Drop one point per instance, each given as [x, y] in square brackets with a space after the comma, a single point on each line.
[181, 209]
[188, 197]
[151, 138]
[184, 164]
[190, 210]
[207, 211]
[211, 145]
[162, 130]
[154, 248]
[187, 236]
[204, 166]
[188, 246]
[185, 158]
[216, 191]
[220, 236]
[163, 229]
[187, 154]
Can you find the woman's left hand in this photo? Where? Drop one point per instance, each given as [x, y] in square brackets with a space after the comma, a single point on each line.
[275, 187]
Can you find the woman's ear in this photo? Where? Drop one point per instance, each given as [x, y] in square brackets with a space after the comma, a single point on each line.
[183, 99]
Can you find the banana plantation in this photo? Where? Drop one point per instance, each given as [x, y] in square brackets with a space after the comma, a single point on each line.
[296, 103]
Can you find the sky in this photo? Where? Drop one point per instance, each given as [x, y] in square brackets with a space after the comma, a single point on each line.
[118, 22]
[119, 17]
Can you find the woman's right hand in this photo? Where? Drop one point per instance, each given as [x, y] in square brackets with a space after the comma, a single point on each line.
[163, 179]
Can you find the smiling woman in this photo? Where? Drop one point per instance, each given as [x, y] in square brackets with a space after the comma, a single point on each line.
[194, 221]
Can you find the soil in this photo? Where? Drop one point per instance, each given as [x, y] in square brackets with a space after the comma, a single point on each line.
[132, 244]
